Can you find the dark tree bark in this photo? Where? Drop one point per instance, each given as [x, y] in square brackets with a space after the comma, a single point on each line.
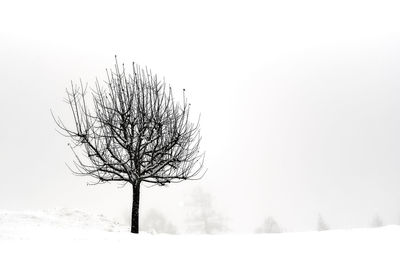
[131, 130]
[135, 208]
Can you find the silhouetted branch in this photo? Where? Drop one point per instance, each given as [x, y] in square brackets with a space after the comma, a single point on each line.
[132, 130]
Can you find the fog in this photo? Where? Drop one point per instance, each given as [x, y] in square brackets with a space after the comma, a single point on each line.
[299, 104]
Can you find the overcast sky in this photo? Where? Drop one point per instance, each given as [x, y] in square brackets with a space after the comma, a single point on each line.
[299, 103]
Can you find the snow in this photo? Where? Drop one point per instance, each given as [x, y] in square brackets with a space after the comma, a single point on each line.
[70, 238]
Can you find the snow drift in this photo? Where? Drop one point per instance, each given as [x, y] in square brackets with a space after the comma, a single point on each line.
[69, 238]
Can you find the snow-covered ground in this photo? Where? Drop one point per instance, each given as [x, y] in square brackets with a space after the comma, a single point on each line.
[69, 238]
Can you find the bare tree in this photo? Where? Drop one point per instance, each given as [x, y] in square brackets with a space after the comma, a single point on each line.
[376, 222]
[269, 226]
[322, 226]
[155, 222]
[131, 130]
[202, 217]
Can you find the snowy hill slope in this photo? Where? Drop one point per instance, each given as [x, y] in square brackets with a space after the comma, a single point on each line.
[31, 224]
[68, 238]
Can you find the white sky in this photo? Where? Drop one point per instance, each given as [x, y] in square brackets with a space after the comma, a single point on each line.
[299, 103]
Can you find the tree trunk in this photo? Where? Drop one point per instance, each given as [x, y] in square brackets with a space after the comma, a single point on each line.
[135, 208]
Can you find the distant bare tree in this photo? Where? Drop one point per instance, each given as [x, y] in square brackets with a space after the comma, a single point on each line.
[269, 226]
[202, 217]
[131, 130]
[376, 222]
[155, 222]
[321, 225]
